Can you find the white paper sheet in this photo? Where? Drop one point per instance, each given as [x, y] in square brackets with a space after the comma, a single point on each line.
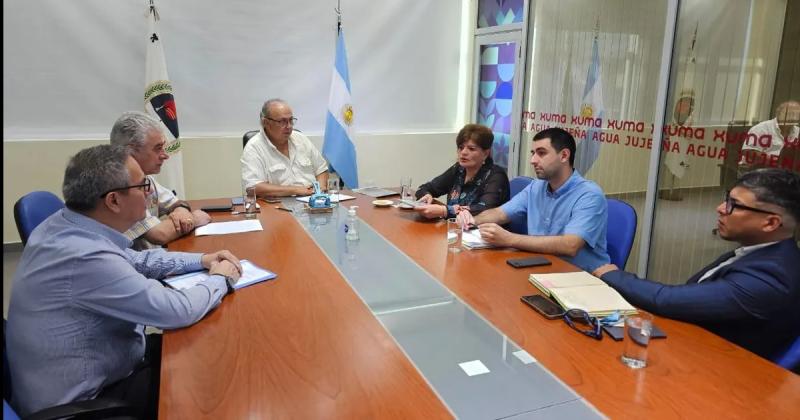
[223, 228]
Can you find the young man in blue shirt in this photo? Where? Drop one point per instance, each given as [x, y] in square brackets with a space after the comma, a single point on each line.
[566, 214]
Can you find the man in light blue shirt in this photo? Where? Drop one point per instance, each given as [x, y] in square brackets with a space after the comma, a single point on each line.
[80, 297]
[566, 214]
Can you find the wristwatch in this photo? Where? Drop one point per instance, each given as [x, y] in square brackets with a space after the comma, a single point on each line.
[230, 282]
[184, 205]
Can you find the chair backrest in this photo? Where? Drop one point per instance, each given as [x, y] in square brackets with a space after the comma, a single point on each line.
[620, 231]
[516, 185]
[8, 412]
[32, 209]
[790, 359]
[247, 137]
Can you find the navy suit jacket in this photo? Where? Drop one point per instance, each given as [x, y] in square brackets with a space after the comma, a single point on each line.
[753, 302]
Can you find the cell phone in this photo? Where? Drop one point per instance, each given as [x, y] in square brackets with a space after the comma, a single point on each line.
[218, 207]
[237, 201]
[618, 333]
[528, 262]
[544, 306]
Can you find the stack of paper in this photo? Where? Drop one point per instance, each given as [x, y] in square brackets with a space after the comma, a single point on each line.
[471, 239]
[251, 274]
[581, 290]
[223, 228]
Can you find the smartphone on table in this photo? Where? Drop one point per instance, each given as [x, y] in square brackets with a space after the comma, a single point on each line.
[544, 306]
[528, 262]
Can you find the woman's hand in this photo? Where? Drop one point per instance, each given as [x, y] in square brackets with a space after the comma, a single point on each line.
[464, 217]
[426, 199]
[431, 211]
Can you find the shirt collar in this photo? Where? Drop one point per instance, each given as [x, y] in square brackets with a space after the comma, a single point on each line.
[94, 226]
[744, 250]
[572, 181]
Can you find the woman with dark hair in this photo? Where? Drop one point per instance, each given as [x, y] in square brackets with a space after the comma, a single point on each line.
[473, 183]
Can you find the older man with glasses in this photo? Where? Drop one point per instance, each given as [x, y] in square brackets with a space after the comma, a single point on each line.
[279, 161]
[81, 298]
[751, 295]
[143, 137]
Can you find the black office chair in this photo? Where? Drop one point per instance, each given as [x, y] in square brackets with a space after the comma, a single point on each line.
[247, 137]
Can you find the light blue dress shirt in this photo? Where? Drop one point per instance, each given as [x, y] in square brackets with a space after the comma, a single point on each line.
[576, 208]
[79, 302]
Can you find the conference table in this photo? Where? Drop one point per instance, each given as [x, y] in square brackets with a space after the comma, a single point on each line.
[317, 342]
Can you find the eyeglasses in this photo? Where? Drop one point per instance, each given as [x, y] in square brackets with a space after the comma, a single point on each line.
[731, 205]
[285, 122]
[144, 187]
[580, 321]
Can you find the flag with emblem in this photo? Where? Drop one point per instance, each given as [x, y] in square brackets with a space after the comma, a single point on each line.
[160, 104]
[683, 113]
[338, 148]
[590, 105]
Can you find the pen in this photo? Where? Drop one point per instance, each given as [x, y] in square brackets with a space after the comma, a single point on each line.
[284, 209]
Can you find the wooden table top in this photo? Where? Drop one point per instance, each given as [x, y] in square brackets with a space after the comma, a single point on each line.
[305, 346]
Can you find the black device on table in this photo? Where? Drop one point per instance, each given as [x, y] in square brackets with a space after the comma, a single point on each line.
[217, 207]
[528, 262]
[617, 333]
[544, 306]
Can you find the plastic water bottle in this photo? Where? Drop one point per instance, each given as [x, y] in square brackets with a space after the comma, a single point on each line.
[351, 225]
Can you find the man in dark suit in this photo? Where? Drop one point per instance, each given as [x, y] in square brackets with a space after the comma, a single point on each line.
[749, 296]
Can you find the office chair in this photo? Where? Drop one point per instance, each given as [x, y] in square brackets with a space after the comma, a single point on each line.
[247, 137]
[790, 359]
[105, 408]
[620, 231]
[516, 185]
[32, 209]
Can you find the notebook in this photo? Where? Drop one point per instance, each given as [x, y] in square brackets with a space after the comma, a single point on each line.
[581, 290]
[376, 192]
[251, 274]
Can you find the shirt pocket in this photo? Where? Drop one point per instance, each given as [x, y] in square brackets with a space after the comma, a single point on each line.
[304, 162]
[276, 173]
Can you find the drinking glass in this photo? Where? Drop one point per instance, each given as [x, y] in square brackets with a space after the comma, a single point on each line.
[250, 210]
[453, 236]
[333, 190]
[405, 189]
[638, 329]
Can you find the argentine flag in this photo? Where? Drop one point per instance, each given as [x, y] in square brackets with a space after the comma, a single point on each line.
[591, 105]
[338, 148]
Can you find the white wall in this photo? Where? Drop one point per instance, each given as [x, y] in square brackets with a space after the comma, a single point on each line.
[211, 164]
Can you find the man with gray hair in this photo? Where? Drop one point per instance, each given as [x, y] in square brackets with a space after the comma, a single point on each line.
[143, 136]
[279, 161]
[81, 298]
[748, 296]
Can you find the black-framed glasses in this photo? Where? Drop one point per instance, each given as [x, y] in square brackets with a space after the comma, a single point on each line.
[731, 205]
[144, 187]
[284, 122]
[580, 320]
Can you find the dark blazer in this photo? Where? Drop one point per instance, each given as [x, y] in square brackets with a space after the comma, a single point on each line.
[490, 194]
[753, 302]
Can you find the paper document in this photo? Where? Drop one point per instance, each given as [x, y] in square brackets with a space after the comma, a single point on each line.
[472, 239]
[222, 228]
[251, 273]
[335, 198]
[555, 280]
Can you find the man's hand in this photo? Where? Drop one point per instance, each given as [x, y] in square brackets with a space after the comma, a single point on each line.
[209, 261]
[182, 220]
[464, 217]
[493, 234]
[431, 211]
[201, 218]
[225, 268]
[599, 271]
[426, 199]
[302, 190]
